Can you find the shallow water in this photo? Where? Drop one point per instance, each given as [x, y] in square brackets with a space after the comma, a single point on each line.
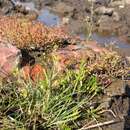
[48, 18]
[107, 40]
[52, 19]
[122, 47]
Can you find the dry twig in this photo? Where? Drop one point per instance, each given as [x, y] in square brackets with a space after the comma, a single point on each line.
[100, 124]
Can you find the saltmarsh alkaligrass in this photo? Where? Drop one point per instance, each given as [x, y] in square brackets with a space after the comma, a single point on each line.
[58, 102]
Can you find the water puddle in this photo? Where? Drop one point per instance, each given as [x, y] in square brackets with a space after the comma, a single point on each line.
[48, 18]
[107, 40]
[122, 47]
[110, 39]
[51, 19]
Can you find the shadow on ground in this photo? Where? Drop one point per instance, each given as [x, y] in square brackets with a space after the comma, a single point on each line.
[127, 117]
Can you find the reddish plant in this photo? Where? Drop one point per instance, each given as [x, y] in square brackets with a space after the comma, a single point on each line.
[24, 33]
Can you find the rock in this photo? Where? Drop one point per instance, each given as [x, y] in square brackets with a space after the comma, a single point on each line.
[92, 1]
[104, 11]
[24, 7]
[116, 16]
[119, 4]
[116, 88]
[20, 9]
[128, 59]
[9, 59]
[127, 2]
[105, 29]
[70, 56]
[35, 73]
[100, 2]
[127, 16]
[76, 27]
[63, 9]
[48, 2]
[65, 21]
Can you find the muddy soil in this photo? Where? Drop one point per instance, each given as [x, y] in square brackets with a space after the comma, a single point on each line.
[111, 24]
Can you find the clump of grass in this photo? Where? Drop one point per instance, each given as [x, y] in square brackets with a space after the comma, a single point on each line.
[58, 102]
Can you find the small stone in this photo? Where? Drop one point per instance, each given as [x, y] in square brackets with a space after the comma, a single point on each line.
[65, 20]
[116, 88]
[37, 73]
[63, 8]
[121, 6]
[127, 2]
[116, 16]
[34, 73]
[104, 11]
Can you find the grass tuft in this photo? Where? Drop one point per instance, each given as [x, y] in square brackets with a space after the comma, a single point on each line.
[58, 102]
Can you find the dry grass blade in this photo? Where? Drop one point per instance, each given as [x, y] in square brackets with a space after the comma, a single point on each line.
[100, 124]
